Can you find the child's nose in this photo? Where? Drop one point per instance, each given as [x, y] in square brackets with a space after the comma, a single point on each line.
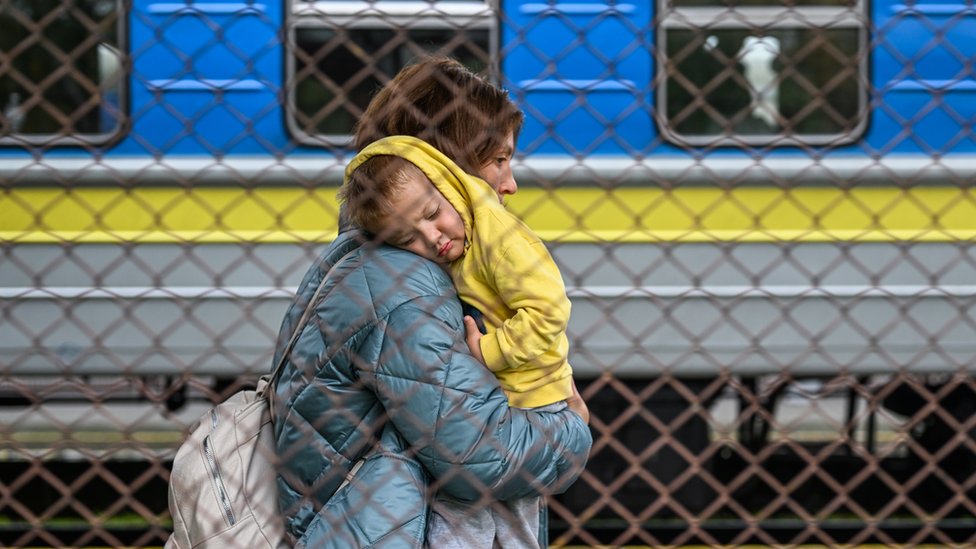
[431, 235]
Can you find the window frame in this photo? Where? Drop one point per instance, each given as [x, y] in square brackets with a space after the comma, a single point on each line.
[764, 18]
[77, 139]
[381, 14]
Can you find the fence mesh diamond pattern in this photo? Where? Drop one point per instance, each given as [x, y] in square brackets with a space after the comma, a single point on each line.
[763, 213]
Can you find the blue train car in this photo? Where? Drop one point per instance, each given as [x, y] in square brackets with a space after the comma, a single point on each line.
[829, 123]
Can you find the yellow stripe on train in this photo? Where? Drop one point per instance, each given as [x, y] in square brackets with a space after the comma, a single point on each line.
[696, 214]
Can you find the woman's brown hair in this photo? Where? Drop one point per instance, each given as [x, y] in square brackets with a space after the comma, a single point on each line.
[464, 115]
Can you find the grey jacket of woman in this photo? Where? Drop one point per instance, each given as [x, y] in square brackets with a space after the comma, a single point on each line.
[380, 404]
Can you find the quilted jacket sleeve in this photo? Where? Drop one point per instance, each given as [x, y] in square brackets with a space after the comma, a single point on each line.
[452, 412]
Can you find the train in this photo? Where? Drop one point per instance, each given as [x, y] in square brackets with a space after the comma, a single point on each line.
[748, 199]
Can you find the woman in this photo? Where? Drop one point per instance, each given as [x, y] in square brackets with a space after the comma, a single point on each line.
[380, 403]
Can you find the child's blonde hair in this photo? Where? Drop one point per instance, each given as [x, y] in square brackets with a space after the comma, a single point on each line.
[372, 188]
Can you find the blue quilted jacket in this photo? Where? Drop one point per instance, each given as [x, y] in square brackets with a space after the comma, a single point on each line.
[380, 404]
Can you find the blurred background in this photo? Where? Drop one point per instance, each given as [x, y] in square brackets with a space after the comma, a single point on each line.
[764, 212]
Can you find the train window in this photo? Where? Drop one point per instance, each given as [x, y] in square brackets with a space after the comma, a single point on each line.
[342, 52]
[60, 71]
[762, 72]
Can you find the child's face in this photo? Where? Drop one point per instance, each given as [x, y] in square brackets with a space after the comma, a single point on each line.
[424, 222]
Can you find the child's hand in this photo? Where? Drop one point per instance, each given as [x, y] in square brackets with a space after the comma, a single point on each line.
[577, 405]
[472, 335]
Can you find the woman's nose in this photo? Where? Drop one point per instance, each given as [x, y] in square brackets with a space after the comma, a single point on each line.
[507, 186]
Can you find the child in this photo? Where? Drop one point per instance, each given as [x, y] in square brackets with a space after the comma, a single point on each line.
[412, 196]
[499, 266]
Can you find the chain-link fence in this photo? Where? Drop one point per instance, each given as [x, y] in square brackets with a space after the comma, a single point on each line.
[762, 210]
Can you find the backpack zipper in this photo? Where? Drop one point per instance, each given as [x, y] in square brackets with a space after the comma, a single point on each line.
[211, 460]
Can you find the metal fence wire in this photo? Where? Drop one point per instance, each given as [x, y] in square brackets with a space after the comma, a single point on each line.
[763, 213]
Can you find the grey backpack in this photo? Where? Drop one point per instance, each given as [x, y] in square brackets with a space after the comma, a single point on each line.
[223, 488]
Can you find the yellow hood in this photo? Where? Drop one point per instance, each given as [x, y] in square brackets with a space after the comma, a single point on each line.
[461, 189]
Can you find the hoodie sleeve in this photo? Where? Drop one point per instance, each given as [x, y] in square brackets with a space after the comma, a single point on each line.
[529, 283]
[452, 412]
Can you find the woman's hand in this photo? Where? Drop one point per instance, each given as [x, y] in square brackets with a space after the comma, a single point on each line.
[577, 405]
[472, 335]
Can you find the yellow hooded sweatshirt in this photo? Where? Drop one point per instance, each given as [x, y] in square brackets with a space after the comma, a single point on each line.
[506, 272]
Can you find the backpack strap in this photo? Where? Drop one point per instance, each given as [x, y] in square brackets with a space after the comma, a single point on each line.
[272, 378]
